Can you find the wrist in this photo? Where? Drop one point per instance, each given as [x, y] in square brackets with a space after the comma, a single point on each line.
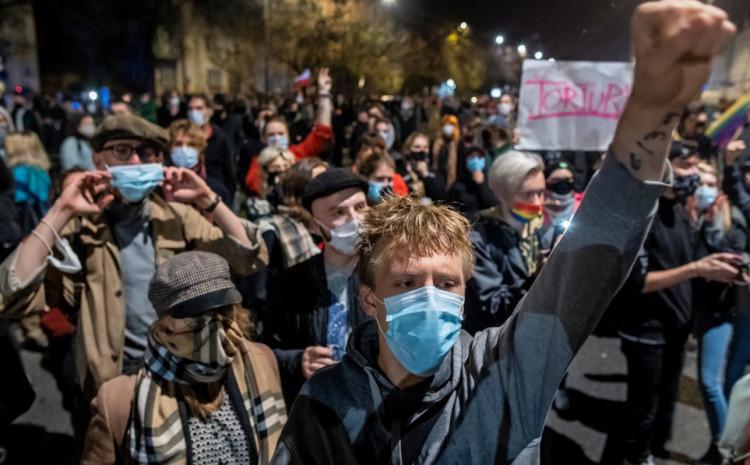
[695, 270]
[59, 215]
[205, 200]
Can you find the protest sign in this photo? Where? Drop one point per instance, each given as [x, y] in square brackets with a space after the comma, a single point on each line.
[571, 105]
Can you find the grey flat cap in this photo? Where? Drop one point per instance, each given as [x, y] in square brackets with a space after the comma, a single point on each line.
[192, 283]
[129, 127]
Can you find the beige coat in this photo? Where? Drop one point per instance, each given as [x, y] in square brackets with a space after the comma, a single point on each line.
[106, 441]
[96, 293]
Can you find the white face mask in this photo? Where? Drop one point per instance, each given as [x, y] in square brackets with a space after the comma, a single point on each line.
[87, 130]
[505, 108]
[197, 117]
[448, 130]
[344, 238]
[70, 264]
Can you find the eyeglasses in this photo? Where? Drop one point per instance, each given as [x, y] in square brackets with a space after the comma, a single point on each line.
[123, 152]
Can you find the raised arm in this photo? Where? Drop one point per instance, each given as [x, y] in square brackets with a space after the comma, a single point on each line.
[674, 42]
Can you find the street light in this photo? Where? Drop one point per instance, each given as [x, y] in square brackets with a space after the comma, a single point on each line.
[499, 40]
[522, 50]
[389, 2]
[463, 26]
[451, 83]
[496, 92]
[538, 55]
[551, 60]
[93, 95]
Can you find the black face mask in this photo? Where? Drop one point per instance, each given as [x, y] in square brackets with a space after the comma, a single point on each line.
[685, 186]
[272, 178]
[419, 156]
[561, 187]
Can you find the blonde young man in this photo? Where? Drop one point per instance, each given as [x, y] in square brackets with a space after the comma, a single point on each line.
[413, 388]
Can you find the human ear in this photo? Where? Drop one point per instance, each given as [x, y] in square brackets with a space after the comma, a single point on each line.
[368, 301]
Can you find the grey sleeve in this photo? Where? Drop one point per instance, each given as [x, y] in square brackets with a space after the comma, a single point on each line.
[532, 351]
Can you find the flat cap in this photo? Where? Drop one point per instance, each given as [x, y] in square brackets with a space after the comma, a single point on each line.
[330, 182]
[192, 283]
[126, 127]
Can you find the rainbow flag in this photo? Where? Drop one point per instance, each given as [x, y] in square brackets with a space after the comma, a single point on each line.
[724, 128]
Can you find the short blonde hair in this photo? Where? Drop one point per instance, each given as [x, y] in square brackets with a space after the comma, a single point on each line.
[510, 170]
[25, 148]
[195, 135]
[405, 225]
[269, 154]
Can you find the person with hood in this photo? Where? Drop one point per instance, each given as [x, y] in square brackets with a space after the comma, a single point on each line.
[422, 180]
[413, 388]
[206, 393]
[93, 254]
[660, 310]
[75, 151]
[471, 192]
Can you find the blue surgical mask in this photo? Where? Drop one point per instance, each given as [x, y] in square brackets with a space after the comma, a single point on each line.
[375, 191]
[474, 164]
[184, 157]
[705, 197]
[197, 117]
[423, 326]
[135, 182]
[278, 141]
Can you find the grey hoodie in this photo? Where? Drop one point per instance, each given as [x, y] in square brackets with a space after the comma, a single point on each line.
[490, 397]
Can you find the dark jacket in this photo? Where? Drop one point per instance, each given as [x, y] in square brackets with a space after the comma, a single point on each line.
[220, 160]
[296, 317]
[655, 317]
[713, 302]
[470, 198]
[491, 395]
[501, 274]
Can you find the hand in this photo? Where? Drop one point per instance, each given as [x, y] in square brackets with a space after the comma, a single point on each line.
[187, 187]
[422, 169]
[674, 44]
[734, 149]
[721, 267]
[478, 177]
[314, 358]
[324, 81]
[85, 193]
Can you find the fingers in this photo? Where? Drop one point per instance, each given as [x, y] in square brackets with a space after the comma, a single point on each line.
[725, 257]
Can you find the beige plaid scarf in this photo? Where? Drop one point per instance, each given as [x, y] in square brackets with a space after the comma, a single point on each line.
[179, 352]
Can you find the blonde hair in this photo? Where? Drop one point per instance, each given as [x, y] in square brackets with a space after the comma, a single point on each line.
[726, 210]
[400, 226]
[195, 135]
[510, 170]
[269, 154]
[25, 148]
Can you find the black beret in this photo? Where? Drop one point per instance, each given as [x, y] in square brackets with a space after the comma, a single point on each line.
[330, 182]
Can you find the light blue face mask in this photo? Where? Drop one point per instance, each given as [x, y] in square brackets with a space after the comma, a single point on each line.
[474, 164]
[184, 157]
[705, 197]
[423, 326]
[374, 191]
[197, 117]
[135, 182]
[278, 141]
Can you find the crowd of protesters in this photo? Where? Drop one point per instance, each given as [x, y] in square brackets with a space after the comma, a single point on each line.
[340, 279]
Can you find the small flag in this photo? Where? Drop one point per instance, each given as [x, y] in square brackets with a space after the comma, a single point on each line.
[303, 79]
[723, 130]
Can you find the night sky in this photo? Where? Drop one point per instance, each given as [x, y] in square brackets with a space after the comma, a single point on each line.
[564, 29]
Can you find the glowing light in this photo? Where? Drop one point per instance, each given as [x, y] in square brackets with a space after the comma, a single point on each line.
[538, 55]
[463, 26]
[551, 60]
[93, 95]
[496, 92]
[499, 40]
[451, 83]
[474, 100]
[522, 50]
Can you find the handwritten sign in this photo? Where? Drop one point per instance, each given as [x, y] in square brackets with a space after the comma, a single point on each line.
[571, 105]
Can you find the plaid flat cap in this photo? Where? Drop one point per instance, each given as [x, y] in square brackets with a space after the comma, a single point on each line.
[127, 127]
[192, 283]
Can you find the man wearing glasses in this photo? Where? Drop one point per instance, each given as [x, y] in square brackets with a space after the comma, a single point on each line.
[111, 229]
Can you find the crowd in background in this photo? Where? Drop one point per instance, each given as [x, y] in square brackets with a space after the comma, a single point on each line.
[300, 173]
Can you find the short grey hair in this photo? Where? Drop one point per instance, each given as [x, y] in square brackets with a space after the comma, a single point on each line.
[509, 171]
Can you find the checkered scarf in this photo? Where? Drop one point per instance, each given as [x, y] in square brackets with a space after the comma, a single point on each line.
[193, 351]
[295, 240]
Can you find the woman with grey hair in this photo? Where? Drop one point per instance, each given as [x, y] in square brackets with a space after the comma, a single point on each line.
[506, 240]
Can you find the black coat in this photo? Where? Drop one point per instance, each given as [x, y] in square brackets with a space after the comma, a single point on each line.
[296, 317]
[220, 160]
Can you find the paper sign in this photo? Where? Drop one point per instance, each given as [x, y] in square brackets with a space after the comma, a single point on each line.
[571, 105]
